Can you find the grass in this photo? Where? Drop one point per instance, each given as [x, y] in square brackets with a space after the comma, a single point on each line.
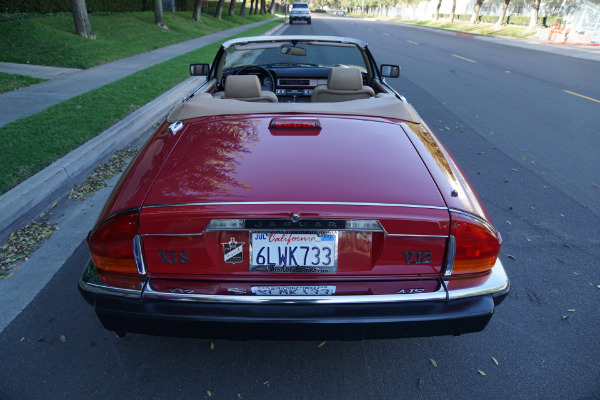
[54, 132]
[482, 29]
[10, 82]
[52, 40]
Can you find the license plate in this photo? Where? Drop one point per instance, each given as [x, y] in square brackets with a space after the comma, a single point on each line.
[293, 290]
[305, 252]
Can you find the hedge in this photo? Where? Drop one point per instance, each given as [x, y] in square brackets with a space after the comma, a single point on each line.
[509, 20]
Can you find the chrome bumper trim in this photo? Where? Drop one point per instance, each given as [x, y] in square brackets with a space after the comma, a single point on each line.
[497, 284]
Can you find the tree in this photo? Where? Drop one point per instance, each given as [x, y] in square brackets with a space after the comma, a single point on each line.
[453, 11]
[252, 6]
[437, 10]
[263, 7]
[197, 9]
[270, 9]
[243, 9]
[502, 13]
[476, 12]
[219, 10]
[82, 21]
[231, 8]
[158, 15]
[534, 15]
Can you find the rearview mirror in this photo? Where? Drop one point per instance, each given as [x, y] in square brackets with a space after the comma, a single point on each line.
[199, 69]
[293, 50]
[390, 71]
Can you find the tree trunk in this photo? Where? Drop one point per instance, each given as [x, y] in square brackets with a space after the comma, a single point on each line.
[437, 10]
[453, 11]
[219, 10]
[263, 7]
[534, 15]
[251, 7]
[271, 6]
[476, 12]
[231, 8]
[502, 13]
[82, 22]
[243, 9]
[158, 15]
[197, 8]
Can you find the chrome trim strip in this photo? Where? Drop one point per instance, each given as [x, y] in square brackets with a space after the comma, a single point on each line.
[439, 295]
[450, 254]
[312, 203]
[171, 234]
[423, 236]
[138, 255]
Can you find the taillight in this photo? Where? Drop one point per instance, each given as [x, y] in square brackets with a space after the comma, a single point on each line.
[111, 243]
[477, 244]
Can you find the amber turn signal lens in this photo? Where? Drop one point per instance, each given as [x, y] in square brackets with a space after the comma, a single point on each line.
[111, 244]
[477, 244]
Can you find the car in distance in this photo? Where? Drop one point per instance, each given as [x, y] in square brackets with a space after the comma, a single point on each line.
[300, 12]
[294, 195]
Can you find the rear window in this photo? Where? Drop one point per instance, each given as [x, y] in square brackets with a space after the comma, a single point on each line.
[300, 5]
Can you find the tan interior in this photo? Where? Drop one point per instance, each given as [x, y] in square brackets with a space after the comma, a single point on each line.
[382, 105]
[343, 84]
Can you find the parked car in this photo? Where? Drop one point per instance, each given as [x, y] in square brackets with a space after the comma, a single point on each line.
[294, 195]
[300, 12]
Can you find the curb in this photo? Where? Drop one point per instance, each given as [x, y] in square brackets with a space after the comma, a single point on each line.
[27, 200]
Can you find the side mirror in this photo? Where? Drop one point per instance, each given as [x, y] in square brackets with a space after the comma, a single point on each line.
[199, 69]
[390, 71]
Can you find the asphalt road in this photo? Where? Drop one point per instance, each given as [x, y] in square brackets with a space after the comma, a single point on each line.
[530, 149]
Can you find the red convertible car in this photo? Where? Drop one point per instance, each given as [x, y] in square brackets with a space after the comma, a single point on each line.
[294, 195]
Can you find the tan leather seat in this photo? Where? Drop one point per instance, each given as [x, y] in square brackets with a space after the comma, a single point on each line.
[343, 84]
[246, 88]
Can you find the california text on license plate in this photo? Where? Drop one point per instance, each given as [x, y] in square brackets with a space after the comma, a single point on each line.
[302, 252]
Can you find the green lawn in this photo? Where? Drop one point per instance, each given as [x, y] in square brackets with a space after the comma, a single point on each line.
[32, 143]
[10, 82]
[52, 40]
[476, 29]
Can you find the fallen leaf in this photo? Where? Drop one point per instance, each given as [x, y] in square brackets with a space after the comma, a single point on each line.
[239, 396]
[208, 392]
[265, 382]
[598, 286]
[23, 338]
[322, 343]
[495, 361]
[432, 361]
[565, 317]
[447, 128]
[529, 240]
[420, 383]
[212, 346]
[63, 338]
[481, 372]
[575, 273]
[512, 257]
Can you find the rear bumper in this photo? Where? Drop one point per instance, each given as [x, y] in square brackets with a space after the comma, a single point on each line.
[443, 312]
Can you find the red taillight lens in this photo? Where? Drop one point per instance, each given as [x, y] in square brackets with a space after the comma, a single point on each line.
[477, 245]
[111, 244]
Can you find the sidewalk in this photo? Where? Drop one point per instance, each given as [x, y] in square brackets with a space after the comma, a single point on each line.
[70, 83]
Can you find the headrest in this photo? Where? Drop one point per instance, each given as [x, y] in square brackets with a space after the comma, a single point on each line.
[242, 86]
[344, 79]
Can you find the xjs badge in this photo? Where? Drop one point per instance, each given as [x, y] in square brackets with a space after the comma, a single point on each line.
[233, 251]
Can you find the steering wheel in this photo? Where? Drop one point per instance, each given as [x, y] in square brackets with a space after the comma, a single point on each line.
[263, 72]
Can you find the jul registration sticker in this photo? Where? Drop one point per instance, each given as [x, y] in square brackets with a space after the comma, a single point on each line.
[233, 251]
